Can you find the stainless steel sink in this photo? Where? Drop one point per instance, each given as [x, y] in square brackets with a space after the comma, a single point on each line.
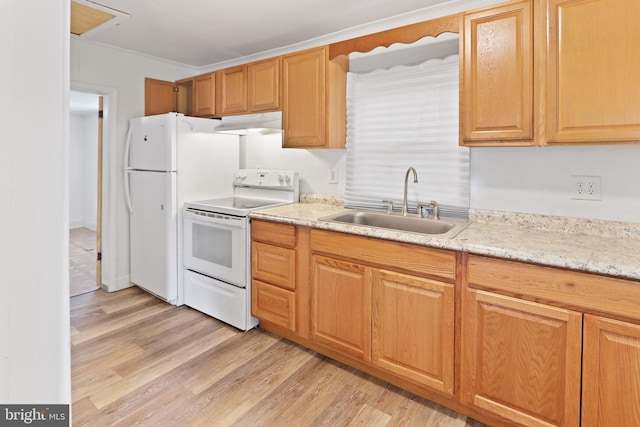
[412, 224]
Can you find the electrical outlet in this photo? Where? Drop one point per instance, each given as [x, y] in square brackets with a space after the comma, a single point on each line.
[333, 176]
[585, 187]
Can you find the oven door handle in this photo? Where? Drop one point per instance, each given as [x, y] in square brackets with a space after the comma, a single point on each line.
[221, 219]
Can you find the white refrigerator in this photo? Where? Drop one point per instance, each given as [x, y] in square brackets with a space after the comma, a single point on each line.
[170, 159]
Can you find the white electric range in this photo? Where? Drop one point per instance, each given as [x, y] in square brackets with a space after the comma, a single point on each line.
[217, 244]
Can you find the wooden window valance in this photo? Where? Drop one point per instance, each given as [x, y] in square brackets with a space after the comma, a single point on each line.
[406, 34]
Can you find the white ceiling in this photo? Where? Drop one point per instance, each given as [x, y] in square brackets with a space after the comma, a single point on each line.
[206, 32]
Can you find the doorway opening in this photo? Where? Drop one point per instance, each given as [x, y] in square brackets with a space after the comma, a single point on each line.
[85, 192]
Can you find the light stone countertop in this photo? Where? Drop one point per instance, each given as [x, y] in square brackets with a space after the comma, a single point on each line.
[594, 246]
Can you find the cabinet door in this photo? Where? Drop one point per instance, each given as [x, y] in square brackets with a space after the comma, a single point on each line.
[204, 88]
[341, 306]
[264, 85]
[159, 97]
[611, 373]
[303, 98]
[184, 96]
[521, 360]
[413, 321]
[593, 69]
[497, 75]
[234, 90]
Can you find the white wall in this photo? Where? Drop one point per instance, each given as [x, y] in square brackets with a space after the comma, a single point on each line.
[265, 151]
[83, 170]
[123, 73]
[34, 257]
[537, 180]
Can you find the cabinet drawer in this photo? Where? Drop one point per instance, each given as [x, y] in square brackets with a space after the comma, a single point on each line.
[571, 289]
[273, 232]
[273, 264]
[412, 258]
[273, 304]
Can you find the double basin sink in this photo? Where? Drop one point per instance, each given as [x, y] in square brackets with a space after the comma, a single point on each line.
[444, 228]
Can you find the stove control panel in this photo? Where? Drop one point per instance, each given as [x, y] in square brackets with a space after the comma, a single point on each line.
[266, 178]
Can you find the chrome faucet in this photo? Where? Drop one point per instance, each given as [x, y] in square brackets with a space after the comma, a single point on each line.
[406, 179]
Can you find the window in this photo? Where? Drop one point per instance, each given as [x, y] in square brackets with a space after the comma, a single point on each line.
[401, 117]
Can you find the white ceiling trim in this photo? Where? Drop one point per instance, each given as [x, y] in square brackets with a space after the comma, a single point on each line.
[432, 12]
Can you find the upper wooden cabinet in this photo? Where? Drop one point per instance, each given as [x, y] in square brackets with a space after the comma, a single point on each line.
[204, 95]
[159, 97]
[497, 76]
[234, 86]
[593, 69]
[250, 88]
[314, 99]
[264, 85]
[194, 96]
[551, 72]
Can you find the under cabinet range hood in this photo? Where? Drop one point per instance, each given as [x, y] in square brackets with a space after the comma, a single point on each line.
[252, 124]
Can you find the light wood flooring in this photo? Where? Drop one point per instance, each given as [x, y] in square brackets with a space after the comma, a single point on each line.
[139, 361]
[82, 261]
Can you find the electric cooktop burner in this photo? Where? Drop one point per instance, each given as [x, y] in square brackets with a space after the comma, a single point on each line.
[237, 203]
[254, 189]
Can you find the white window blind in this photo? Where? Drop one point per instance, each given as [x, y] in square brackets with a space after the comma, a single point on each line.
[401, 117]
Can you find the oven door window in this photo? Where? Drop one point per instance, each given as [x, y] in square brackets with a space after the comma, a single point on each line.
[217, 250]
[212, 245]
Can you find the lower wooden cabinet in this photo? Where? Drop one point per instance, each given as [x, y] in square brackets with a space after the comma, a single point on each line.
[509, 343]
[273, 273]
[396, 316]
[273, 304]
[521, 360]
[413, 328]
[341, 306]
[538, 364]
[611, 373]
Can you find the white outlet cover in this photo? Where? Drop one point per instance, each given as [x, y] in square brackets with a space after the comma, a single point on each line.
[586, 187]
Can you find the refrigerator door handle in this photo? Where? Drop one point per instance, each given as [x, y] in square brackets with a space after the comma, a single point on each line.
[127, 147]
[127, 190]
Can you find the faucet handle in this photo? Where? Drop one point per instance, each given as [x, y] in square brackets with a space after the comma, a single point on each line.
[390, 207]
[432, 206]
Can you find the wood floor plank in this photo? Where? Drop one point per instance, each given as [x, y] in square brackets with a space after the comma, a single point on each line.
[233, 395]
[88, 385]
[89, 363]
[344, 407]
[369, 416]
[110, 325]
[139, 361]
[154, 413]
[177, 343]
[157, 367]
[322, 380]
[229, 357]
